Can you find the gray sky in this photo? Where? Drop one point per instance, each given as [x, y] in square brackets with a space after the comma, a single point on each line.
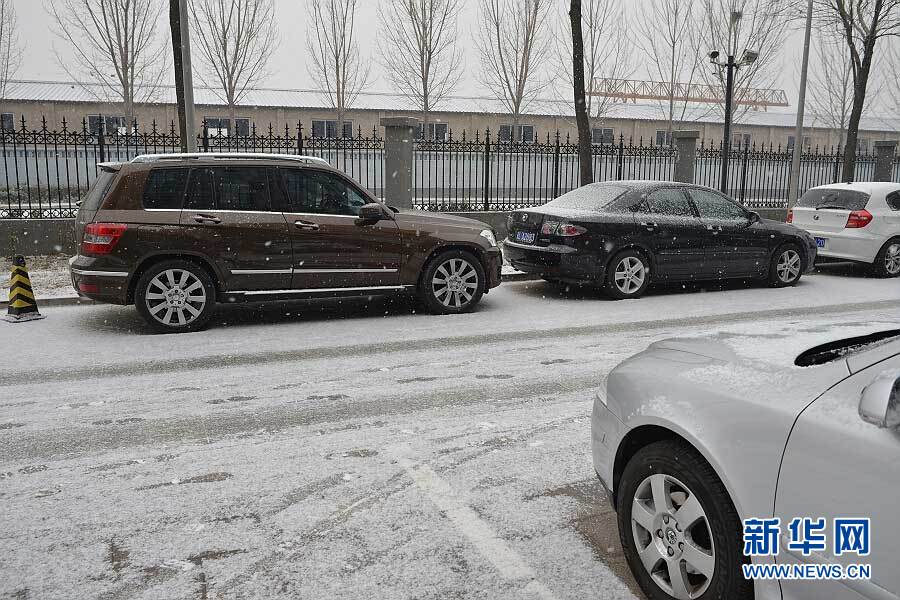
[288, 65]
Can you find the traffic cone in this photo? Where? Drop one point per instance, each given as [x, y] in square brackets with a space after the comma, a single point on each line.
[22, 305]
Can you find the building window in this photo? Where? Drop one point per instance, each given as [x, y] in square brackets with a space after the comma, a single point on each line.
[7, 122]
[862, 145]
[329, 129]
[663, 137]
[523, 133]
[436, 131]
[740, 141]
[109, 125]
[602, 136]
[793, 140]
[242, 127]
[217, 126]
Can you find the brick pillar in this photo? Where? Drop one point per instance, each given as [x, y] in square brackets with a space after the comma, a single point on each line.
[685, 154]
[884, 159]
[399, 133]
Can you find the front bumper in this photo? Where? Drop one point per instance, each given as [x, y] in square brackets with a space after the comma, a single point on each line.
[97, 281]
[493, 267]
[607, 432]
[555, 262]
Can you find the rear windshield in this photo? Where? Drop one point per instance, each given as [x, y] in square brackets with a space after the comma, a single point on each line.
[831, 198]
[97, 191]
[595, 196]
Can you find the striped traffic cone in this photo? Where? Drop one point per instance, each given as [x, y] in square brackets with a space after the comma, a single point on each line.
[22, 305]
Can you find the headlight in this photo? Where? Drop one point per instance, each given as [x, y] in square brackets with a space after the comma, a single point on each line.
[489, 236]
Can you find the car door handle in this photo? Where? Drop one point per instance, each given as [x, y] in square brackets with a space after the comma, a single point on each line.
[650, 225]
[306, 225]
[207, 219]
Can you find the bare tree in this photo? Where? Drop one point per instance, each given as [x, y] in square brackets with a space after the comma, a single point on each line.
[893, 76]
[862, 24]
[513, 43]
[10, 49]
[236, 38]
[112, 43]
[337, 65]
[607, 52]
[419, 51]
[732, 26]
[664, 35]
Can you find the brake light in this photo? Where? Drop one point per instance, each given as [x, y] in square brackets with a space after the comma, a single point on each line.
[101, 238]
[549, 228]
[561, 229]
[858, 218]
[790, 217]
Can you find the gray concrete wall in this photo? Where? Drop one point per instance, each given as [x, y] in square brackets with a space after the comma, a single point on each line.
[37, 236]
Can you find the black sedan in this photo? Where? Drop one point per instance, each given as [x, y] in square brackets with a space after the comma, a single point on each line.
[623, 235]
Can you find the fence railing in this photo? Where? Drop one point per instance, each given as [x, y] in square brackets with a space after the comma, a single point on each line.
[44, 173]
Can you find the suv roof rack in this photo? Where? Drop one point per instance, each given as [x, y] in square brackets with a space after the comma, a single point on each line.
[145, 158]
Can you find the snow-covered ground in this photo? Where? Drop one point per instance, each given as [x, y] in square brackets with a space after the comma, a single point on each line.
[343, 449]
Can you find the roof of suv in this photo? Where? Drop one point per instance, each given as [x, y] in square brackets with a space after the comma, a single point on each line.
[229, 156]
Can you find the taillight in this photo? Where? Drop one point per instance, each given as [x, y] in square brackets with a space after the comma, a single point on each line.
[561, 229]
[101, 238]
[790, 217]
[858, 218]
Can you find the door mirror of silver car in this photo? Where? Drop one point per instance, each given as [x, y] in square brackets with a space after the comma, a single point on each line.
[371, 213]
[880, 401]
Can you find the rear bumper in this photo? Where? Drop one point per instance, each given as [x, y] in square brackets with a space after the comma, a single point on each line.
[94, 280]
[858, 245]
[555, 262]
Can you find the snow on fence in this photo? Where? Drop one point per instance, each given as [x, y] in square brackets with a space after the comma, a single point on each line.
[44, 173]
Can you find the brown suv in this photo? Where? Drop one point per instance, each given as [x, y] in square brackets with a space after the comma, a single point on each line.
[174, 234]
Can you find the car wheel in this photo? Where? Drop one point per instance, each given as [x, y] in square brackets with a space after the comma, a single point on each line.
[628, 275]
[785, 266]
[679, 529]
[175, 296]
[887, 261]
[452, 283]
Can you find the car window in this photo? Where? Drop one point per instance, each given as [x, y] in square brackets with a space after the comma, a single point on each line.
[893, 200]
[595, 196]
[98, 190]
[165, 188]
[228, 188]
[671, 202]
[711, 205]
[318, 192]
[834, 198]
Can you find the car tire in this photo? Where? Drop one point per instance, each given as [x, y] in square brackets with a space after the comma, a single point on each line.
[447, 284]
[175, 296]
[695, 553]
[786, 266]
[887, 261]
[628, 275]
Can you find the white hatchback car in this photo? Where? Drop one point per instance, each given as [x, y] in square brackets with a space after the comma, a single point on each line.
[854, 221]
[695, 435]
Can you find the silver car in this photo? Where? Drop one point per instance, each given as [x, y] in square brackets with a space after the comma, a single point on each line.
[695, 436]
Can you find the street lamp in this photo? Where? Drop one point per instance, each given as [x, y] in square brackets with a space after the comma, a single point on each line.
[748, 58]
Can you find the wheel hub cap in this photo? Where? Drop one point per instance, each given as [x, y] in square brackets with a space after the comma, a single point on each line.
[788, 267]
[455, 282]
[892, 259]
[175, 297]
[630, 274]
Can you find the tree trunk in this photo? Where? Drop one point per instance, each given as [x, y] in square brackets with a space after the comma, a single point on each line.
[848, 171]
[581, 115]
[175, 26]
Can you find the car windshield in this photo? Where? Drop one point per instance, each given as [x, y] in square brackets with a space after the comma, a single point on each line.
[824, 198]
[831, 351]
[595, 196]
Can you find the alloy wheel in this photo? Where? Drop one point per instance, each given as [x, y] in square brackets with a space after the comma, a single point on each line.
[673, 537]
[455, 283]
[630, 274]
[788, 267]
[892, 259]
[175, 297]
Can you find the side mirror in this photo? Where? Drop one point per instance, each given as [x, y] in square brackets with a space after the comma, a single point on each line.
[754, 217]
[879, 403]
[371, 213]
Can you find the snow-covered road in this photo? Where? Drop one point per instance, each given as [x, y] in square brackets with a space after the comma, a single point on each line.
[340, 449]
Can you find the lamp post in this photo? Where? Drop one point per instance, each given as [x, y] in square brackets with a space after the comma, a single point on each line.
[730, 65]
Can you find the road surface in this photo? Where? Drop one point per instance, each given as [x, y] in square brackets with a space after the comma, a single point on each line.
[345, 449]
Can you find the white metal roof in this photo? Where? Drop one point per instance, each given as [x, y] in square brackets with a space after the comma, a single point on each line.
[54, 91]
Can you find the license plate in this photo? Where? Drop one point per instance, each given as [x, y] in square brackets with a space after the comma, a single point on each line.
[820, 242]
[526, 237]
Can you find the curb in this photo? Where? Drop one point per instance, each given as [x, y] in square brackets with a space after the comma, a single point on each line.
[64, 301]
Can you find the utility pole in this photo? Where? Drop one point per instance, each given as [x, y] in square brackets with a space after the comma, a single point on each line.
[801, 107]
[184, 80]
[726, 143]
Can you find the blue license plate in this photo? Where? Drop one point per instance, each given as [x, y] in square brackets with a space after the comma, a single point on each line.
[820, 242]
[526, 237]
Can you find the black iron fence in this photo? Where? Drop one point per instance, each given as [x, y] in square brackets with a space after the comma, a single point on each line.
[44, 173]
